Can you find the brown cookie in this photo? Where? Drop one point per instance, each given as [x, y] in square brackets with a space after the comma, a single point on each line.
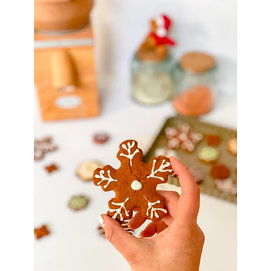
[232, 145]
[41, 232]
[101, 138]
[42, 146]
[197, 62]
[220, 172]
[212, 140]
[51, 168]
[134, 184]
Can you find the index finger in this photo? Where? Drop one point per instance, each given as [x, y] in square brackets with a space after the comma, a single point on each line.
[188, 205]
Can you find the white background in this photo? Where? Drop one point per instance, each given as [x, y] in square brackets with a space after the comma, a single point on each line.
[206, 25]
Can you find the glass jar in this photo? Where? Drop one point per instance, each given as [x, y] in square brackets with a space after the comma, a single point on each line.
[152, 81]
[195, 69]
[186, 79]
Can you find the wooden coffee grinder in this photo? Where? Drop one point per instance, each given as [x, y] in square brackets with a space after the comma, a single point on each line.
[64, 59]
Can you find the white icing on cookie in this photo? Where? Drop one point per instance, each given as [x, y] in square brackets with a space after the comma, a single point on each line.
[118, 210]
[152, 210]
[103, 178]
[130, 154]
[136, 185]
[161, 168]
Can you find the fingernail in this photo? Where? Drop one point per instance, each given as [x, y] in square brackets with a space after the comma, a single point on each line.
[101, 220]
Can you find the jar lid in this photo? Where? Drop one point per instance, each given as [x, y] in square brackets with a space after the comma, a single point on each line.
[158, 54]
[197, 62]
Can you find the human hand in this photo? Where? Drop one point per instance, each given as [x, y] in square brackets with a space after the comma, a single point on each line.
[179, 242]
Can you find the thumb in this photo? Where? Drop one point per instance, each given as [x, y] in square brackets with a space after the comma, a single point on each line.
[127, 244]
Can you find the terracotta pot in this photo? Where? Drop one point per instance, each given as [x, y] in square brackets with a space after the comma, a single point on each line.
[61, 15]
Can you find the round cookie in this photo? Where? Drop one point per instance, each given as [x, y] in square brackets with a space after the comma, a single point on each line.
[134, 184]
[78, 203]
[194, 102]
[101, 138]
[232, 145]
[212, 140]
[197, 62]
[86, 169]
[227, 186]
[208, 154]
[220, 172]
[197, 173]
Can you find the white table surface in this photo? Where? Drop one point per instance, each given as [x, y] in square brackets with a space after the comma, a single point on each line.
[74, 243]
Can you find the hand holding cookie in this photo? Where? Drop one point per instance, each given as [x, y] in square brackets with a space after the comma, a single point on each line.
[180, 237]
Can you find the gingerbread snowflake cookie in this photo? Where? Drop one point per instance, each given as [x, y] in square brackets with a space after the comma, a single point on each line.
[42, 146]
[182, 137]
[134, 184]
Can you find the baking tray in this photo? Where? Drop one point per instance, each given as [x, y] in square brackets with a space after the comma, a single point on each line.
[207, 186]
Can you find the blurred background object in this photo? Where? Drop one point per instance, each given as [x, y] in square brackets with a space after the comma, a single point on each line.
[61, 15]
[152, 81]
[64, 59]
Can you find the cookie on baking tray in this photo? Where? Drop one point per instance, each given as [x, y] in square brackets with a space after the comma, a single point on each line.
[227, 186]
[134, 184]
[182, 138]
[232, 145]
[212, 140]
[220, 172]
[208, 154]
[86, 169]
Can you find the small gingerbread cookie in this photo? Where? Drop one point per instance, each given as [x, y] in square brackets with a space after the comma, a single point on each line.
[182, 137]
[212, 140]
[43, 146]
[208, 154]
[41, 232]
[101, 138]
[78, 202]
[226, 186]
[134, 184]
[51, 168]
[197, 173]
[220, 172]
[86, 169]
[232, 145]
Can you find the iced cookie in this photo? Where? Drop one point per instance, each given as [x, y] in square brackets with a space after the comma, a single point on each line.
[226, 186]
[41, 232]
[232, 146]
[101, 138]
[43, 146]
[182, 138]
[208, 154]
[197, 173]
[86, 169]
[134, 184]
[212, 140]
[78, 203]
[220, 172]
